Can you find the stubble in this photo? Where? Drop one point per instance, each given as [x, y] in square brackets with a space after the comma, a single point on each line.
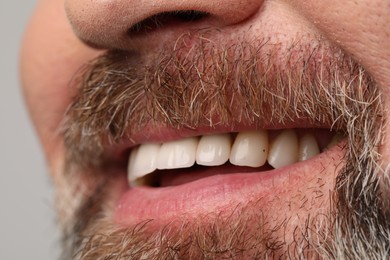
[207, 85]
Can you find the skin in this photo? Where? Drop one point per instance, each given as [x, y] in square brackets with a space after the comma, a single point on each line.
[63, 35]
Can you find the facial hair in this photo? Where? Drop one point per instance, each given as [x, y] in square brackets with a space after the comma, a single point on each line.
[206, 85]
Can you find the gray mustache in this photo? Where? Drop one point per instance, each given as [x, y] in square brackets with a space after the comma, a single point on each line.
[208, 85]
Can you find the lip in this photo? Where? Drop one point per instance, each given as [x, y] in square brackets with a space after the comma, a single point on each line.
[221, 193]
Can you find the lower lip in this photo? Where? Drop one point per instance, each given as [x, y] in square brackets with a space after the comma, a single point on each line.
[220, 193]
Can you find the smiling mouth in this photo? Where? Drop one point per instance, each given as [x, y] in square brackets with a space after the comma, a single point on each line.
[199, 174]
[214, 172]
[189, 159]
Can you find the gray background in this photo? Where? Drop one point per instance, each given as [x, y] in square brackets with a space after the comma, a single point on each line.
[27, 220]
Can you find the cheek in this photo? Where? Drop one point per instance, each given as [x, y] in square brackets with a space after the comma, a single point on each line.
[359, 27]
[50, 57]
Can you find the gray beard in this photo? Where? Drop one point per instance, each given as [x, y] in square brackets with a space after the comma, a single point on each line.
[358, 223]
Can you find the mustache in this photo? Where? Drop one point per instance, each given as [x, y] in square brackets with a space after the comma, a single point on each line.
[205, 85]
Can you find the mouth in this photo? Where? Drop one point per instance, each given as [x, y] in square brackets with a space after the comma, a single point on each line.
[216, 172]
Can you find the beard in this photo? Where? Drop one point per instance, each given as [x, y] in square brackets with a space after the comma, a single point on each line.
[204, 85]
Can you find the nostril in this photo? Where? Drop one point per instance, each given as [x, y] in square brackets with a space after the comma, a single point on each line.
[191, 15]
[165, 19]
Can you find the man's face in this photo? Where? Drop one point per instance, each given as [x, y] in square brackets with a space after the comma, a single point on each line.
[214, 129]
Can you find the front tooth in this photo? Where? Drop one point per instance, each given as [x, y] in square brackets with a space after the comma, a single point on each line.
[131, 176]
[177, 154]
[250, 149]
[284, 149]
[308, 147]
[143, 160]
[213, 150]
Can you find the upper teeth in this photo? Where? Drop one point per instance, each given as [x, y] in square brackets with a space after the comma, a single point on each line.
[250, 148]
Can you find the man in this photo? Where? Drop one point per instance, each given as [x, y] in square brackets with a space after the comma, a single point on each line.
[214, 129]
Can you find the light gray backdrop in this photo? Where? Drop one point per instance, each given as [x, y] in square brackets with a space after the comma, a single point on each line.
[27, 221]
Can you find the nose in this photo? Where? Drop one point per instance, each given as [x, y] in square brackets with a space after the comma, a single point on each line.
[112, 24]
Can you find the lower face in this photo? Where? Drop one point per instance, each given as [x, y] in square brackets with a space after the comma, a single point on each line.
[283, 167]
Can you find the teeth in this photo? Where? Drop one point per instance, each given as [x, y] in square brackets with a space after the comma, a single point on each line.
[213, 150]
[177, 154]
[284, 149]
[308, 147]
[143, 160]
[250, 149]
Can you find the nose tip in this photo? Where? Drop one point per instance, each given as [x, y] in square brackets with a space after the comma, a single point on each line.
[111, 24]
